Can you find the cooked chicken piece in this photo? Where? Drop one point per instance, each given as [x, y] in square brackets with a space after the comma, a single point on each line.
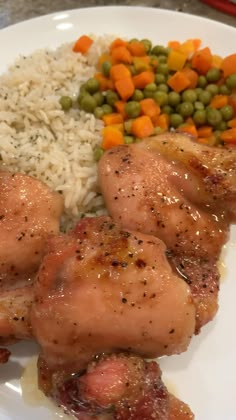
[101, 289]
[164, 187]
[118, 386]
[29, 212]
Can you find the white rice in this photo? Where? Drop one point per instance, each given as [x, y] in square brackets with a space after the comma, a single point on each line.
[38, 138]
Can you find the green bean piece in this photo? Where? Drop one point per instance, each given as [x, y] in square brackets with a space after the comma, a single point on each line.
[92, 85]
[97, 153]
[66, 102]
[107, 109]
[106, 67]
[162, 68]
[189, 95]
[227, 112]
[167, 109]
[205, 97]
[174, 98]
[133, 109]
[185, 109]
[198, 106]
[200, 117]
[213, 89]
[137, 95]
[111, 97]
[99, 98]
[231, 81]
[160, 50]
[213, 75]
[176, 120]
[202, 81]
[88, 103]
[160, 78]
[147, 45]
[214, 117]
[128, 139]
[224, 90]
[163, 87]
[98, 112]
[161, 98]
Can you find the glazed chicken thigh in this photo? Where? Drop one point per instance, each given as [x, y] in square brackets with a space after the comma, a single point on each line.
[181, 192]
[101, 289]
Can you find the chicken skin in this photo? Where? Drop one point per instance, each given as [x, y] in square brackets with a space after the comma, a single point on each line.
[29, 212]
[121, 387]
[181, 192]
[102, 289]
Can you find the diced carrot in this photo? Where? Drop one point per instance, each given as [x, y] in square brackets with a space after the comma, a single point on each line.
[143, 79]
[232, 123]
[174, 45]
[121, 55]
[82, 44]
[125, 88]
[113, 118]
[218, 101]
[204, 131]
[102, 59]
[197, 43]
[202, 60]
[120, 107]
[141, 63]
[203, 140]
[176, 60]
[104, 81]
[149, 107]
[232, 102]
[217, 61]
[118, 42]
[136, 48]
[192, 77]
[162, 121]
[190, 46]
[189, 129]
[179, 81]
[229, 65]
[111, 137]
[142, 127]
[119, 127]
[119, 71]
[229, 136]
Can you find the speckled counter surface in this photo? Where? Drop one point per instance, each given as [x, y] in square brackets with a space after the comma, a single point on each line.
[13, 11]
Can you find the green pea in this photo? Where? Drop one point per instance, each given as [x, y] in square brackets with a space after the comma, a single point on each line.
[176, 120]
[92, 85]
[213, 89]
[167, 109]
[198, 106]
[162, 68]
[107, 109]
[160, 78]
[132, 109]
[205, 97]
[66, 102]
[202, 81]
[106, 67]
[111, 97]
[163, 87]
[213, 75]
[162, 58]
[132, 70]
[83, 88]
[200, 117]
[98, 112]
[128, 126]
[198, 90]
[99, 98]
[189, 95]
[137, 95]
[147, 44]
[152, 87]
[161, 98]
[217, 134]
[222, 126]
[88, 103]
[174, 98]
[81, 96]
[227, 112]
[224, 90]
[97, 153]
[158, 130]
[231, 81]
[129, 139]
[133, 40]
[160, 50]
[186, 109]
[148, 93]
[213, 117]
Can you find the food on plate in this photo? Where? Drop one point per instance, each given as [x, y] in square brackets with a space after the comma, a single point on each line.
[120, 386]
[140, 90]
[183, 193]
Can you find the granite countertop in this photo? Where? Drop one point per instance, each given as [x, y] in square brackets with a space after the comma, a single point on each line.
[13, 11]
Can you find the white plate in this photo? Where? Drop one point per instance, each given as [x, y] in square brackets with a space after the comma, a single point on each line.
[205, 376]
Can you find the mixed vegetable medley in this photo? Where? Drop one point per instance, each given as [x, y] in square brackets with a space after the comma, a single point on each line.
[141, 90]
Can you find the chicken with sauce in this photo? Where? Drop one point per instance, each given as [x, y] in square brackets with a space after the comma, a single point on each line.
[185, 194]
